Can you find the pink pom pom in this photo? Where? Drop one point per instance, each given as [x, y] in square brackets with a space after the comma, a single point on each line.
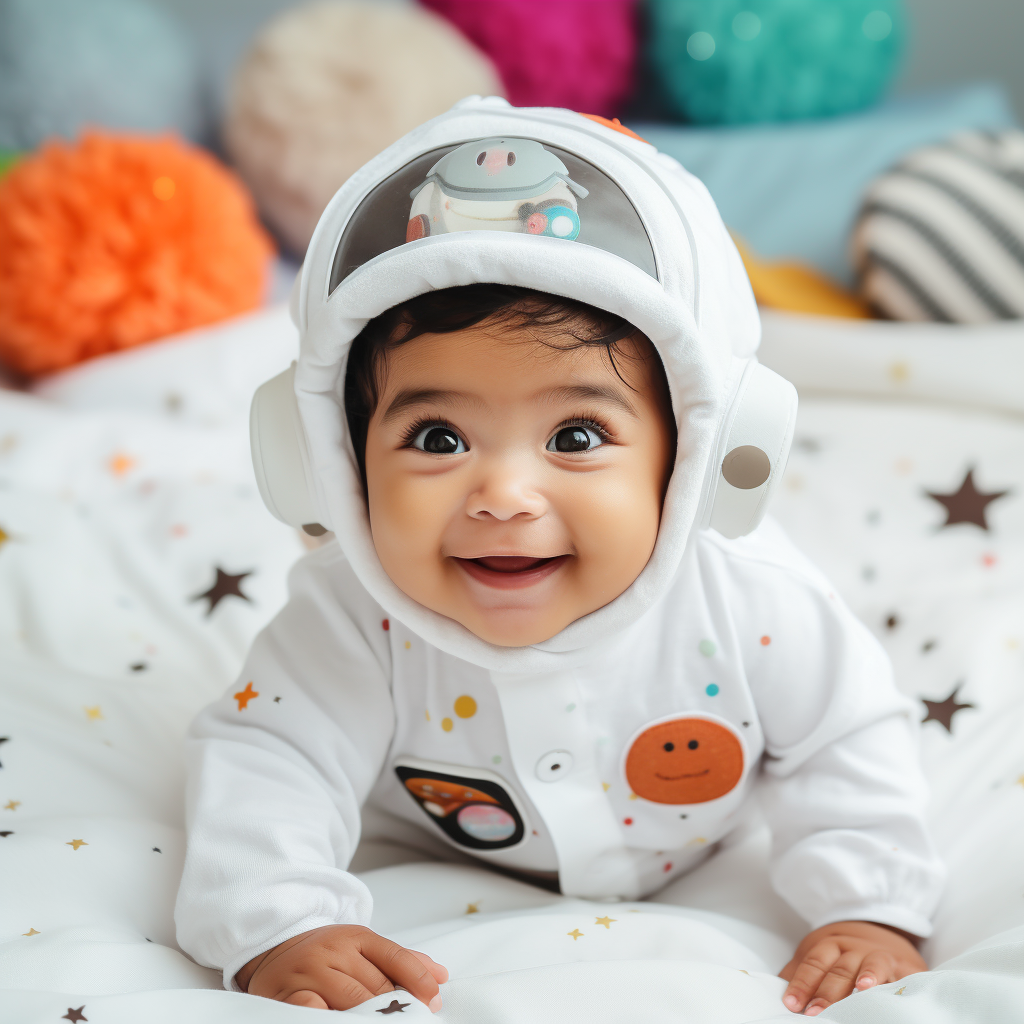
[578, 54]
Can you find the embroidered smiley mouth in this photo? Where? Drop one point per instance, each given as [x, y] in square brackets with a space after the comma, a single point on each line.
[676, 778]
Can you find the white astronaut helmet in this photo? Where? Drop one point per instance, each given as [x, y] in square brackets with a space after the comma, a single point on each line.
[562, 203]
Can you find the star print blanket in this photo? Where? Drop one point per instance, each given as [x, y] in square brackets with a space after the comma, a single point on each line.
[137, 563]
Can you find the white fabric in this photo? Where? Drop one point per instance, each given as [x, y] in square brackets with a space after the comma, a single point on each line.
[82, 541]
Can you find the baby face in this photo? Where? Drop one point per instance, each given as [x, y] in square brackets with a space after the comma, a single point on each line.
[514, 487]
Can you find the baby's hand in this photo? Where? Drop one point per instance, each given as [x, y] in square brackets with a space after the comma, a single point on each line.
[341, 966]
[834, 959]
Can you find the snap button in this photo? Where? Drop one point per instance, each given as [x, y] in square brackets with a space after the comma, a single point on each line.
[554, 765]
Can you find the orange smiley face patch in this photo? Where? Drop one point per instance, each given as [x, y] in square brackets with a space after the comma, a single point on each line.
[684, 761]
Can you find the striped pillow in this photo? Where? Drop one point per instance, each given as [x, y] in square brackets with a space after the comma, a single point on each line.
[941, 235]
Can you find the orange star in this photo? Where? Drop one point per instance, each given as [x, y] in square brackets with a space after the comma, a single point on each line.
[12, 805]
[76, 843]
[31, 931]
[244, 696]
[120, 464]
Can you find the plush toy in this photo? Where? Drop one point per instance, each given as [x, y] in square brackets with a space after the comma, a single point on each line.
[578, 54]
[116, 240]
[65, 64]
[941, 235]
[327, 86]
[729, 61]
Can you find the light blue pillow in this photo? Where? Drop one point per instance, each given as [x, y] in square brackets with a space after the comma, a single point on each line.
[794, 189]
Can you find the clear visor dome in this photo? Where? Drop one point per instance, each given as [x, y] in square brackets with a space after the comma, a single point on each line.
[496, 184]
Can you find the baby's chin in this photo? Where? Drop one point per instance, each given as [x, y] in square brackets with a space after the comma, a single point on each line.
[512, 628]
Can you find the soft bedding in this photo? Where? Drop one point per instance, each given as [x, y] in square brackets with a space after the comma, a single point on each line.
[137, 562]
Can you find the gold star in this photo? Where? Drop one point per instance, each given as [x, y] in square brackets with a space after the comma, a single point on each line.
[747, 973]
[31, 931]
[607, 786]
[93, 713]
[576, 934]
[1020, 781]
[4, 536]
[632, 796]
[901, 990]
[76, 843]
[606, 921]
[473, 908]
[697, 841]
[12, 805]
[898, 372]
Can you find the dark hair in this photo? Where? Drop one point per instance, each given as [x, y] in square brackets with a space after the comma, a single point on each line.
[455, 309]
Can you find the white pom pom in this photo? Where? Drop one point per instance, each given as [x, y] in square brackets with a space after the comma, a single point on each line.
[326, 87]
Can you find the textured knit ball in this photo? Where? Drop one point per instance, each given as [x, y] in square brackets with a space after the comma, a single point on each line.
[578, 54]
[326, 87]
[66, 64]
[941, 235]
[730, 61]
[116, 240]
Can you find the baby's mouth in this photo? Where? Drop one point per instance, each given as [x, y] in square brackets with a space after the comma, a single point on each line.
[510, 572]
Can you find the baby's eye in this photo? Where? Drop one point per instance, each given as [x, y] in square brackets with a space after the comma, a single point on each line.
[439, 441]
[575, 439]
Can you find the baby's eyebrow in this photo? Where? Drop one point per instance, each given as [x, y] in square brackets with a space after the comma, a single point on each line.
[590, 393]
[424, 396]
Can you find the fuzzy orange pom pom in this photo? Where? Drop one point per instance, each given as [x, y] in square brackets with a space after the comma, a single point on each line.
[115, 240]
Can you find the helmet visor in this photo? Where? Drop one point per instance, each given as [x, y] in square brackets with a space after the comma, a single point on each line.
[496, 184]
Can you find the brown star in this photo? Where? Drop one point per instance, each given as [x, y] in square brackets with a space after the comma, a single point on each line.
[942, 711]
[968, 504]
[3, 739]
[75, 1015]
[4, 835]
[393, 1007]
[225, 585]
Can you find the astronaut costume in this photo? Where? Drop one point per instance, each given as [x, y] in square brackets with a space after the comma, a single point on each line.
[611, 757]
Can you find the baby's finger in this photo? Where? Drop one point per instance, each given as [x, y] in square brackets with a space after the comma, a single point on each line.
[879, 968]
[404, 968]
[340, 990]
[836, 984]
[440, 973]
[305, 997]
[808, 974]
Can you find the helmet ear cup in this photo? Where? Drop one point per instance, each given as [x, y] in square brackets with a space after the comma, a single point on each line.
[748, 467]
[280, 457]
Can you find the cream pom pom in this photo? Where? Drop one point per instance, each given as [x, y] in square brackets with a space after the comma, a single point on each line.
[327, 86]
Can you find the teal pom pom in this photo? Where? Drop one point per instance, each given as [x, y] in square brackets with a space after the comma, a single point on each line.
[734, 61]
[119, 64]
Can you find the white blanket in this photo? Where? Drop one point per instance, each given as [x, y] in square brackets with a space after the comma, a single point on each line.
[125, 486]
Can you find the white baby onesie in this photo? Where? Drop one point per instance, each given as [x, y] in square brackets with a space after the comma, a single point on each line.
[750, 676]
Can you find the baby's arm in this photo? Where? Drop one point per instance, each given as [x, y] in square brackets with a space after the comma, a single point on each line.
[341, 966]
[278, 771]
[842, 787]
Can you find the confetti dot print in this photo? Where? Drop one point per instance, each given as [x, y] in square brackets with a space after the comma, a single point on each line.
[765, 641]
[446, 724]
[711, 689]
[707, 648]
[465, 706]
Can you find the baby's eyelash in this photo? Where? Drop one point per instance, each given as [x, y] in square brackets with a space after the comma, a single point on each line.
[593, 422]
[422, 423]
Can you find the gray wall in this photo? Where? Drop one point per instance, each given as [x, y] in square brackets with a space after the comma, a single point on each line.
[966, 40]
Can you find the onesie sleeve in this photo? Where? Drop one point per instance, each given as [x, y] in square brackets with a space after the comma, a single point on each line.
[842, 788]
[278, 770]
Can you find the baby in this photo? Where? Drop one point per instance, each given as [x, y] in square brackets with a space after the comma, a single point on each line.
[547, 633]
